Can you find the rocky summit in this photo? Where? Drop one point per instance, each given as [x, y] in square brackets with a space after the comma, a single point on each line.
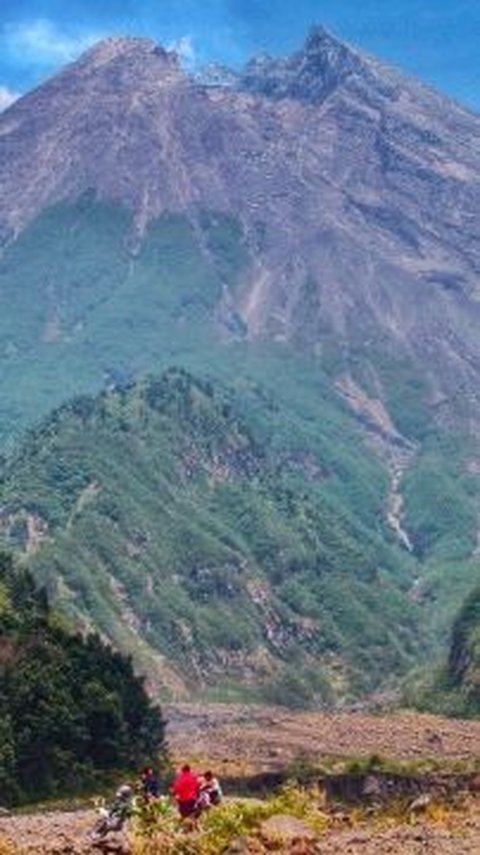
[356, 192]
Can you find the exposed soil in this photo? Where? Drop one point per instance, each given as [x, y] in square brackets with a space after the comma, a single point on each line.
[252, 739]
[236, 739]
[458, 837]
[47, 832]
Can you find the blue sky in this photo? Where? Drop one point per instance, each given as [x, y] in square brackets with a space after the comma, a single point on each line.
[437, 40]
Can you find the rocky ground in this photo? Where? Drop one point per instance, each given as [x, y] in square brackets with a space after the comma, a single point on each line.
[65, 833]
[462, 838]
[237, 738]
[42, 832]
[251, 739]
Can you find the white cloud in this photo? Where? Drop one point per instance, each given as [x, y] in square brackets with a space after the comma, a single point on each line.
[7, 97]
[185, 51]
[43, 42]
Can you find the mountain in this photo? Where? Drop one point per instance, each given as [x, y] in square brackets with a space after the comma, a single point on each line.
[325, 201]
[190, 527]
[71, 710]
[304, 233]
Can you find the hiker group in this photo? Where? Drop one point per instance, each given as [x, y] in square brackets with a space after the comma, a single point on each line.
[193, 793]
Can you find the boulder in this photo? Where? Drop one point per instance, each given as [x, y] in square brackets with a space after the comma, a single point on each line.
[372, 787]
[238, 846]
[284, 829]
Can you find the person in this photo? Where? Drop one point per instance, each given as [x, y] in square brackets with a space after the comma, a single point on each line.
[210, 790]
[149, 784]
[122, 804]
[185, 788]
[114, 817]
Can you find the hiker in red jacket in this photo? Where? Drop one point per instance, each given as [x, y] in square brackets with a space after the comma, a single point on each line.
[185, 789]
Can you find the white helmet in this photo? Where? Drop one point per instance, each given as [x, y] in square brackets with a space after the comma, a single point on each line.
[124, 792]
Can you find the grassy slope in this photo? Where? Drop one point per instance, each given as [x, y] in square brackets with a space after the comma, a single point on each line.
[441, 502]
[463, 672]
[78, 308]
[193, 516]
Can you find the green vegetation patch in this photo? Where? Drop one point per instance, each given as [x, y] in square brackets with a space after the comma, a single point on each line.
[221, 531]
[83, 304]
[71, 709]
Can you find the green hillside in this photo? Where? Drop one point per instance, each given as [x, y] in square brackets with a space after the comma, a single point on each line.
[216, 529]
[71, 710]
[442, 513]
[463, 672]
[453, 688]
[81, 306]
[276, 572]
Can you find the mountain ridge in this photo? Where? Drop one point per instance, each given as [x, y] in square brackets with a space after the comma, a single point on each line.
[196, 534]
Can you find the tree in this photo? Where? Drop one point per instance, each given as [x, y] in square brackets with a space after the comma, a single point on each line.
[71, 709]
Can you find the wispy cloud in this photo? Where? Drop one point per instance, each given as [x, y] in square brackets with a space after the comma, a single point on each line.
[43, 42]
[185, 50]
[7, 97]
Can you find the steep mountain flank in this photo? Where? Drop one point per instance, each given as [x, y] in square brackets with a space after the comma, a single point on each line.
[195, 530]
[354, 193]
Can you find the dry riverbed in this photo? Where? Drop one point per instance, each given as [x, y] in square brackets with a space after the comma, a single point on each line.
[239, 740]
[252, 739]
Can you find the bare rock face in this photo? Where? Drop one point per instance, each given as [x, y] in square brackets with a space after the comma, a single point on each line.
[309, 75]
[357, 189]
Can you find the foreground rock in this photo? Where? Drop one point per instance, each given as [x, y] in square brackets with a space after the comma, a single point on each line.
[285, 830]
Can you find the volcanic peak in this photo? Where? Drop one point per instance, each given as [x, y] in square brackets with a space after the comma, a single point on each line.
[310, 74]
[116, 46]
[128, 51]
